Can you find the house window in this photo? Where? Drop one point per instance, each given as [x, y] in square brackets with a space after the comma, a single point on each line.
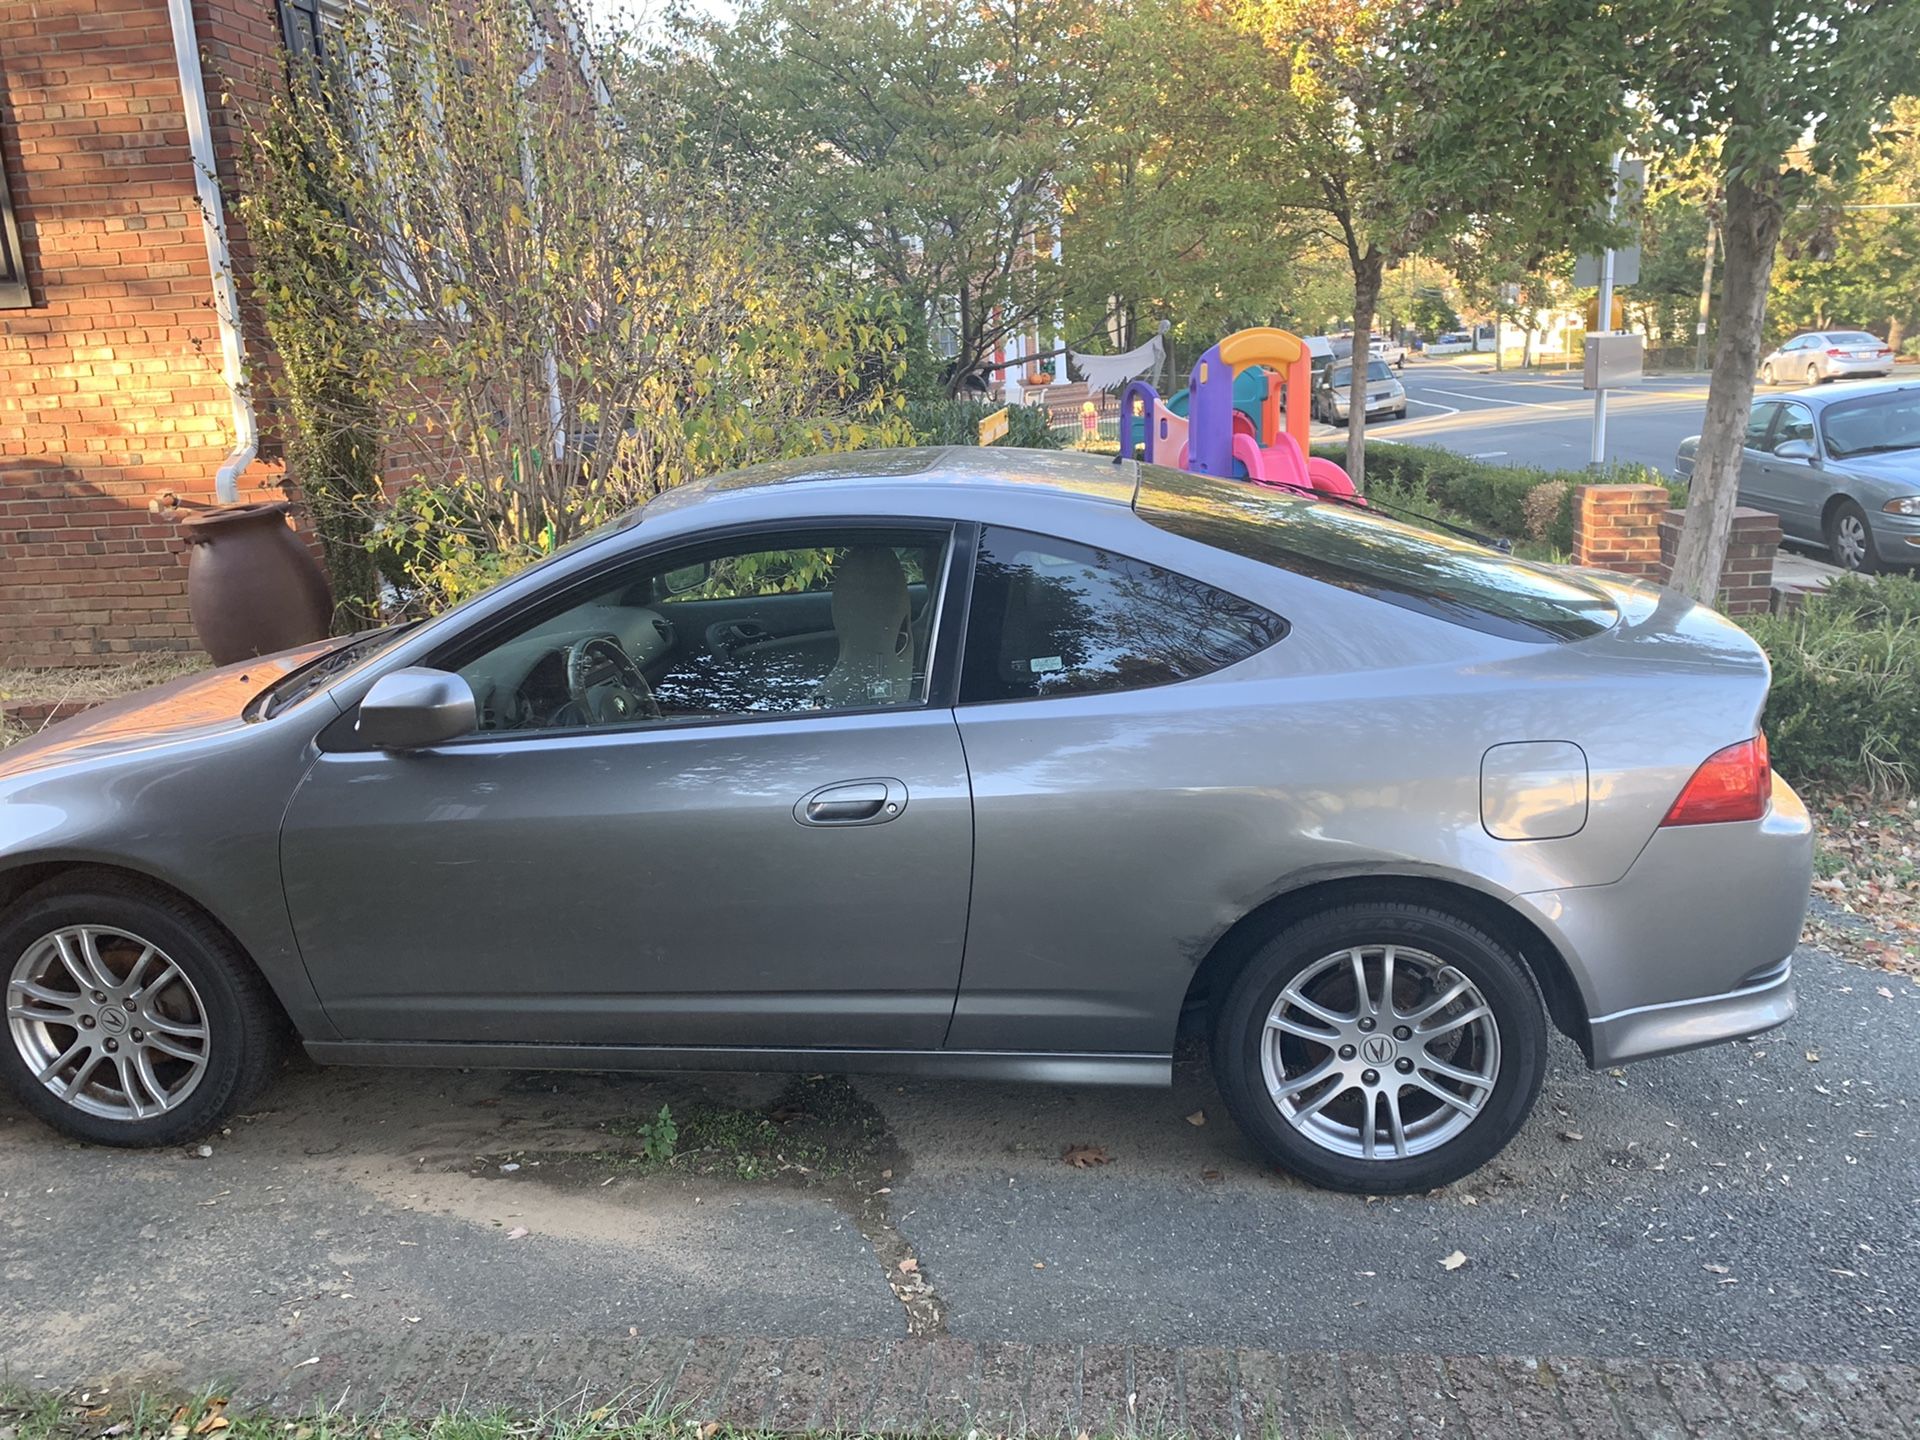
[14, 294]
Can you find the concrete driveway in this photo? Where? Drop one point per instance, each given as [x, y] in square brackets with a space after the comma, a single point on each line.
[1750, 1201]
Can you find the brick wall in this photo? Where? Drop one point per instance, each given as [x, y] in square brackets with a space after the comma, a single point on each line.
[110, 385]
[1616, 527]
[1746, 579]
[1631, 529]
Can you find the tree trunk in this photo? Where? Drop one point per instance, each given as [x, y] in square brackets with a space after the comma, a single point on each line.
[1896, 332]
[1750, 230]
[1706, 302]
[1367, 270]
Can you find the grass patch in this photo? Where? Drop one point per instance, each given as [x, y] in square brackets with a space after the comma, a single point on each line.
[817, 1128]
[96, 682]
[154, 1415]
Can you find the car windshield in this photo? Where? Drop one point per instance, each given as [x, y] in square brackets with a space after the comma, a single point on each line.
[1363, 551]
[1377, 370]
[1873, 424]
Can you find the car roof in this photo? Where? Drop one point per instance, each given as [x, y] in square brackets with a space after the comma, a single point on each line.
[1825, 395]
[1072, 473]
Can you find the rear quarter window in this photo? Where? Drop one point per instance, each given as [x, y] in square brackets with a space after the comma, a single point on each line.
[1368, 553]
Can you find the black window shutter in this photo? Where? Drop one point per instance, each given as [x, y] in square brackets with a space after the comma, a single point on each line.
[14, 294]
[300, 27]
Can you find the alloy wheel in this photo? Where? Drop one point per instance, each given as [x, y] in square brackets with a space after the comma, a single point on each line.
[1850, 541]
[1380, 1052]
[107, 1022]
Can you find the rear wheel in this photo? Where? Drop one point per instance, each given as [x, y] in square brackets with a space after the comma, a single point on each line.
[1813, 374]
[1381, 1048]
[1850, 539]
[131, 1018]
[1766, 373]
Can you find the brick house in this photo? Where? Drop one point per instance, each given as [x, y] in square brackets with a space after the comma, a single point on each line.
[121, 378]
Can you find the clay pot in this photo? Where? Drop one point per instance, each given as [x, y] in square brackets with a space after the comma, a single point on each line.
[252, 586]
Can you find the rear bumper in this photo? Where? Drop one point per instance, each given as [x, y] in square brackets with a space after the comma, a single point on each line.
[1694, 944]
[1677, 1025]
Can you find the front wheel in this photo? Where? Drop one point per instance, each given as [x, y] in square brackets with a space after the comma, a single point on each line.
[1381, 1048]
[1850, 539]
[132, 1019]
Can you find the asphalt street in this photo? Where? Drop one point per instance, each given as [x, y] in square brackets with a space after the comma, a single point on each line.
[1748, 1201]
[1541, 417]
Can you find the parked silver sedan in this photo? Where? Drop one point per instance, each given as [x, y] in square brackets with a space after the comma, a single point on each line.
[965, 763]
[1814, 356]
[1841, 468]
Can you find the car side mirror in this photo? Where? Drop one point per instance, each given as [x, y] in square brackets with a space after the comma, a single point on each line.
[1796, 450]
[415, 707]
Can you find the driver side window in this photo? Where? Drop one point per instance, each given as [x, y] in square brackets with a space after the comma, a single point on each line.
[795, 622]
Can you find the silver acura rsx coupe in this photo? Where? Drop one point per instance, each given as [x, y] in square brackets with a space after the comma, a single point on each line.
[961, 763]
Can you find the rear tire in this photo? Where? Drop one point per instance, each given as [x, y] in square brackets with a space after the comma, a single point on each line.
[1486, 1048]
[1766, 373]
[1813, 375]
[179, 1027]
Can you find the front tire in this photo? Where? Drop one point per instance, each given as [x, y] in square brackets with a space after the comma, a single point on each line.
[1380, 1048]
[1850, 539]
[132, 1019]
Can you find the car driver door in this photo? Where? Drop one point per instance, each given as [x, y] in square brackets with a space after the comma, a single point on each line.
[659, 836]
[1788, 478]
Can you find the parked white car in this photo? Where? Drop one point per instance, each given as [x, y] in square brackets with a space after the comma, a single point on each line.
[1391, 351]
[1816, 355]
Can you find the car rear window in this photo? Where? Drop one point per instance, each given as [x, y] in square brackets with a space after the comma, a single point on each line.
[1364, 551]
[1854, 337]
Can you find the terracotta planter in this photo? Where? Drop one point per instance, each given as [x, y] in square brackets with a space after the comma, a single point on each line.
[252, 587]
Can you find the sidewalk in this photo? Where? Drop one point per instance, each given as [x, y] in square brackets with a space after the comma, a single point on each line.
[948, 1386]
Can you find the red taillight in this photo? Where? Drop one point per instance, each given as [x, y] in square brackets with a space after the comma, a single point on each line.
[1734, 784]
[1836, 352]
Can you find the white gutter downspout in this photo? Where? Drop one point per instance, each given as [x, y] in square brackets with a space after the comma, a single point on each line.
[226, 299]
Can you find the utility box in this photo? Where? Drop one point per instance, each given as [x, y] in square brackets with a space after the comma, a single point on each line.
[1613, 358]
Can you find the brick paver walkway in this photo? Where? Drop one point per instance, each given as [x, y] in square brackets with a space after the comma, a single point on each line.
[950, 1386]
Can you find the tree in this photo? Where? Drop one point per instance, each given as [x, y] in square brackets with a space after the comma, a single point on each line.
[1849, 257]
[1170, 213]
[1410, 120]
[1791, 91]
[539, 312]
[915, 144]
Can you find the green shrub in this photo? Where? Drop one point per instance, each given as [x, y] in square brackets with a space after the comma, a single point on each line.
[957, 422]
[1845, 704]
[1499, 499]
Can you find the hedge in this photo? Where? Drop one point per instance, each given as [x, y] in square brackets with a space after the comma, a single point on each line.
[1513, 502]
[1845, 703]
[957, 422]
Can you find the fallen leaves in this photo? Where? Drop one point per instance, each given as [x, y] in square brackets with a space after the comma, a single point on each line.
[1198, 1117]
[519, 1232]
[1870, 851]
[1454, 1261]
[1085, 1157]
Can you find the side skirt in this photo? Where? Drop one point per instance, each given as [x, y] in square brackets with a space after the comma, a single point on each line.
[1043, 1068]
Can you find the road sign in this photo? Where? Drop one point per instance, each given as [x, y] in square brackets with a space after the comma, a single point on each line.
[1617, 321]
[993, 427]
[1630, 198]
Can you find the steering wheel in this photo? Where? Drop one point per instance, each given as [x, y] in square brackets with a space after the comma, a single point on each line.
[606, 686]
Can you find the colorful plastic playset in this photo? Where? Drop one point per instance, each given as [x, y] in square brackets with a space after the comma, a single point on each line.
[1229, 420]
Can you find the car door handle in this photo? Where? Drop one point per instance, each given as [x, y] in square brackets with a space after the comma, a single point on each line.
[852, 802]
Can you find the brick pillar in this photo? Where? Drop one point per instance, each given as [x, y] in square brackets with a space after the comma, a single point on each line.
[1746, 577]
[1617, 528]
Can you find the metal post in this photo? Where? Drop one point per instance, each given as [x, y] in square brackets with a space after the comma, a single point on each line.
[1603, 317]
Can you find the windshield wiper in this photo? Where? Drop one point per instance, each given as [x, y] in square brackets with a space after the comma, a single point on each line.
[295, 687]
[1879, 449]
